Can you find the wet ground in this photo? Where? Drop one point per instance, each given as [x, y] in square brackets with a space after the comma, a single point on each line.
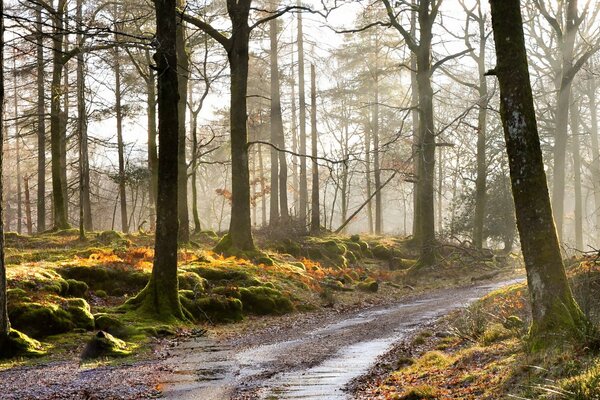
[316, 359]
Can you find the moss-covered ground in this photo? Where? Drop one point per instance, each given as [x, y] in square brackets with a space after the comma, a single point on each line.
[64, 292]
[483, 352]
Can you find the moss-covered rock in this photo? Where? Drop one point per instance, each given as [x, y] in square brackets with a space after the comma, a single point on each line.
[368, 286]
[214, 308]
[113, 325]
[224, 244]
[398, 263]
[76, 288]
[109, 237]
[17, 344]
[17, 294]
[382, 252]
[223, 275]
[355, 238]
[192, 281]
[115, 281]
[103, 344]
[39, 320]
[264, 300]
[80, 313]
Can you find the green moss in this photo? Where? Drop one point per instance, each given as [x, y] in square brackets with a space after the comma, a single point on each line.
[264, 300]
[109, 237]
[382, 252]
[398, 263]
[38, 320]
[298, 264]
[17, 294]
[355, 238]
[421, 392]
[222, 276]
[227, 291]
[17, 344]
[494, 333]
[113, 325]
[101, 293]
[115, 281]
[192, 281]
[77, 288]
[368, 286]
[103, 344]
[264, 260]
[214, 308]
[224, 244]
[585, 385]
[81, 316]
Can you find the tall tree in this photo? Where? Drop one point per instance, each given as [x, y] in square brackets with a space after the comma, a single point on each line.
[303, 196]
[183, 68]
[4, 323]
[315, 220]
[41, 123]
[119, 120]
[160, 298]
[554, 310]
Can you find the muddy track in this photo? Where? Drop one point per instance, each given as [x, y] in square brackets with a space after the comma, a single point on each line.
[311, 360]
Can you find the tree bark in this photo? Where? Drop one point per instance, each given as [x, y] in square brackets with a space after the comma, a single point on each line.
[315, 220]
[41, 124]
[56, 132]
[183, 67]
[160, 298]
[554, 310]
[302, 114]
[240, 228]
[591, 94]
[480, 182]
[28, 219]
[152, 131]
[85, 204]
[376, 163]
[575, 149]
[120, 144]
[416, 228]
[4, 323]
[275, 125]
[563, 102]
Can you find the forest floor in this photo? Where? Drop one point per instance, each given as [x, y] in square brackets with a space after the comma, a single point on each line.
[62, 291]
[481, 352]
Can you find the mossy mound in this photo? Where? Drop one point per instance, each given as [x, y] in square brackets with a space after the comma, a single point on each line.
[40, 280]
[263, 300]
[113, 280]
[224, 275]
[110, 237]
[114, 326]
[39, 320]
[103, 344]
[17, 344]
[189, 280]
[215, 308]
[77, 288]
[368, 286]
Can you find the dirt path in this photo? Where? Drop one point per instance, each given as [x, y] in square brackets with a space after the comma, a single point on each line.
[311, 360]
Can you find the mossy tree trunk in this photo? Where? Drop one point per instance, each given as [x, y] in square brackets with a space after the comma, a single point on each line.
[160, 298]
[276, 124]
[554, 310]
[120, 142]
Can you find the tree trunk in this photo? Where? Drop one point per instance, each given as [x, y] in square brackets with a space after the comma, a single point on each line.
[480, 182]
[416, 229]
[302, 114]
[56, 132]
[120, 144]
[41, 125]
[160, 298]
[426, 139]
[196, 215]
[554, 310]
[4, 323]
[275, 125]
[17, 150]
[315, 220]
[591, 94]
[240, 228]
[183, 66]
[85, 206]
[368, 178]
[376, 163]
[577, 176]
[152, 153]
[295, 149]
[563, 103]
[29, 222]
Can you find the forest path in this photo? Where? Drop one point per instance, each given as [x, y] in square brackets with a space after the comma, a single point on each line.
[310, 360]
